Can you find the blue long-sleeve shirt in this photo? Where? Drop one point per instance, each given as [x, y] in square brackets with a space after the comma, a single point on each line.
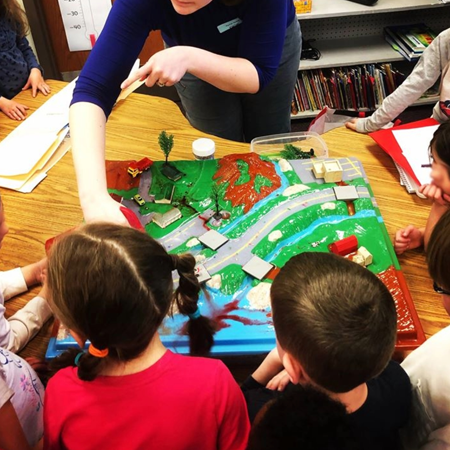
[16, 60]
[259, 38]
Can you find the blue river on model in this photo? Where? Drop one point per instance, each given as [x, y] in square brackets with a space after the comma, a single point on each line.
[241, 338]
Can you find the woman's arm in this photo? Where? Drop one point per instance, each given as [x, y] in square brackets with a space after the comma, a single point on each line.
[87, 130]
[169, 66]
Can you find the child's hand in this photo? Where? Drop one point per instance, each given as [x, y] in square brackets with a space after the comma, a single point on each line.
[37, 364]
[37, 83]
[40, 270]
[269, 368]
[104, 209]
[435, 193]
[35, 273]
[407, 239]
[279, 381]
[14, 110]
[43, 293]
[352, 124]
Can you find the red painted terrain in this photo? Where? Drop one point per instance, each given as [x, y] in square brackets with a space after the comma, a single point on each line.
[245, 194]
[117, 176]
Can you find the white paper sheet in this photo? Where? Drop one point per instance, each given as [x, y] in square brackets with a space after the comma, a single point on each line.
[29, 151]
[27, 144]
[29, 181]
[414, 143]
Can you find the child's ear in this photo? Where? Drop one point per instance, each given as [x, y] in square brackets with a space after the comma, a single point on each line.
[293, 368]
[80, 340]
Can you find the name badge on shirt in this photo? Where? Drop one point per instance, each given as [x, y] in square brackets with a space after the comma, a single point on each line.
[228, 25]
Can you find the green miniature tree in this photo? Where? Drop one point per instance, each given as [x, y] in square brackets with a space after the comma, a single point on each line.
[292, 152]
[216, 195]
[166, 144]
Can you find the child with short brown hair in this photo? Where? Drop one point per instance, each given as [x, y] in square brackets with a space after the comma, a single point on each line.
[336, 324]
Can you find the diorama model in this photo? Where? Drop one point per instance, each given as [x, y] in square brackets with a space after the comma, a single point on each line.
[243, 217]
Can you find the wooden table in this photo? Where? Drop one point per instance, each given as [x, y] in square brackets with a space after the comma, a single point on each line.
[132, 133]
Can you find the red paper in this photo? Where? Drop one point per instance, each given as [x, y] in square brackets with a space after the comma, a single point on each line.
[386, 140]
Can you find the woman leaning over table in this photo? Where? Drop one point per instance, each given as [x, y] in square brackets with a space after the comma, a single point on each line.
[234, 64]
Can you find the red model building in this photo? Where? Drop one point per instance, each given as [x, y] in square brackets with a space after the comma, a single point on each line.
[136, 168]
[344, 246]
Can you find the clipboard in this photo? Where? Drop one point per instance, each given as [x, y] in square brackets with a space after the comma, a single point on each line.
[386, 140]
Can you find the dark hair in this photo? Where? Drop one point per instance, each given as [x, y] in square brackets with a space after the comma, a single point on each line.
[336, 318]
[440, 142]
[302, 418]
[438, 252]
[15, 15]
[113, 285]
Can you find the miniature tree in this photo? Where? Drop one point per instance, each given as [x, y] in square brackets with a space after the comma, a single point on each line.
[216, 194]
[166, 144]
[292, 152]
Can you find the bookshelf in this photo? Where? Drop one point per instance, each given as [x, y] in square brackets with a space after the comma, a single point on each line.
[350, 34]
[324, 9]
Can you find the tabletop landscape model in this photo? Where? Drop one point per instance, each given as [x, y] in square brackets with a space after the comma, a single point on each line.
[242, 217]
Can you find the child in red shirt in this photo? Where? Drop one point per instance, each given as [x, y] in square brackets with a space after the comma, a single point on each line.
[113, 285]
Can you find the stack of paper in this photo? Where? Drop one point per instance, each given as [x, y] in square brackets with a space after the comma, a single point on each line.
[408, 146]
[29, 151]
[415, 144]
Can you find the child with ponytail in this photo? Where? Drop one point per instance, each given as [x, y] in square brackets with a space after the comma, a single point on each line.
[113, 286]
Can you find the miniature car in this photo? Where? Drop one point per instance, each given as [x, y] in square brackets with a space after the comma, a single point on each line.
[139, 200]
[138, 167]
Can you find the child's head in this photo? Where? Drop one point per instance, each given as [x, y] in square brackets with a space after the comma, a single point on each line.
[438, 257]
[302, 418]
[3, 226]
[335, 321]
[113, 285]
[12, 11]
[440, 155]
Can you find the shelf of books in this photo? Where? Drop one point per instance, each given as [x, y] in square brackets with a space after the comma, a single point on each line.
[428, 100]
[322, 9]
[409, 40]
[359, 88]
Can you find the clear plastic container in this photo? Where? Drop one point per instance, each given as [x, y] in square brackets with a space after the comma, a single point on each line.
[272, 146]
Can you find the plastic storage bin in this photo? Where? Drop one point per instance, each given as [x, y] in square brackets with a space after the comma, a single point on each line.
[273, 145]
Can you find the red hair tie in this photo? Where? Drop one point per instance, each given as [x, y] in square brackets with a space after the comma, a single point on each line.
[98, 353]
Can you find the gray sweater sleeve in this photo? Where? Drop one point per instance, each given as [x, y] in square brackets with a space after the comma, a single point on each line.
[424, 75]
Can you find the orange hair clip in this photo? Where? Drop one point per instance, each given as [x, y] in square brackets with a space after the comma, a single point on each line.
[98, 353]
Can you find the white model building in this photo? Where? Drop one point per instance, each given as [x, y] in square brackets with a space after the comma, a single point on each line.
[318, 169]
[329, 169]
[213, 239]
[368, 258]
[164, 220]
[257, 267]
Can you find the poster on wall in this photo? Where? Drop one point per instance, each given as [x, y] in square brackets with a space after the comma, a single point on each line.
[83, 21]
